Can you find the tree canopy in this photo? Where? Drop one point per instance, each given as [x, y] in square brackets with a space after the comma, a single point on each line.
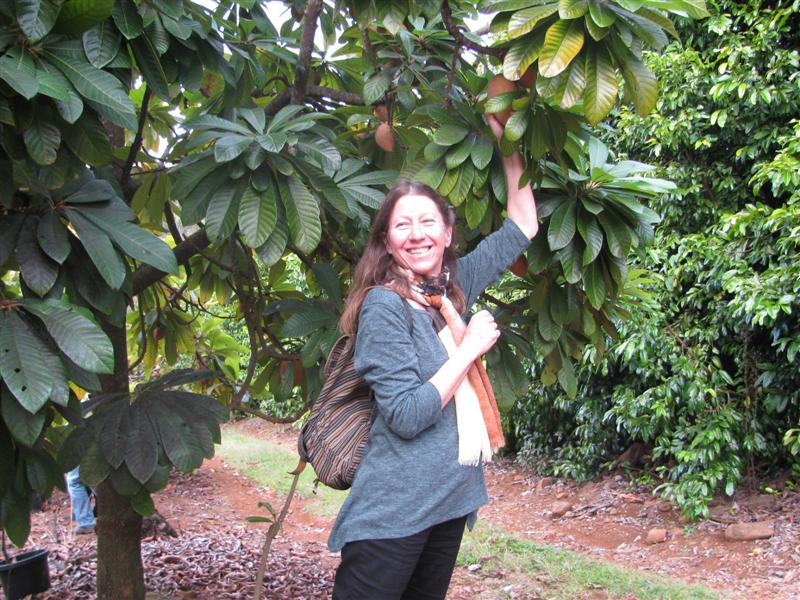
[167, 157]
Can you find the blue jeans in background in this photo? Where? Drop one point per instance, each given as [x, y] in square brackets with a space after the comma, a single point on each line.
[79, 497]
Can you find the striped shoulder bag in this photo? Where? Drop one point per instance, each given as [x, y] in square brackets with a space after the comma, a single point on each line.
[335, 436]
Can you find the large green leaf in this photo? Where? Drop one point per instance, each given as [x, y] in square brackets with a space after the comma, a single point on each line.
[150, 66]
[22, 363]
[53, 83]
[42, 140]
[230, 146]
[102, 90]
[562, 43]
[127, 18]
[323, 152]
[572, 9]
[592, 235]
[595, 285]
[522, 54]
[482, 152]
[177, 438]
[89, 141]
[600, 14]
[221, 210]
[601, 84]
[523, 21]
[651, 33]
[18, 70]
[137, 243]
[99, 248]
[141, 448]
[573, 84]
[303, 324]
[23, 425]
[449, 135]
[77, 16]
[562, 225]
[617, 233]
[302, 213]
[375, 87]
[53, 237]
[94, 468]
[81, 339]
[37, 17]
[101, 43]
[258, 213]
[548, 329]
[38, 272]
[641, 85]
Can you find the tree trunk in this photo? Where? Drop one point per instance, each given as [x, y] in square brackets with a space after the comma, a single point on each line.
[120, 575]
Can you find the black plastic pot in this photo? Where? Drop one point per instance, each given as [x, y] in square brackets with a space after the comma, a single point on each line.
[28, 574]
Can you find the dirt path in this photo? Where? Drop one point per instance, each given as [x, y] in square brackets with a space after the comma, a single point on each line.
[609, 521]
[217, 551]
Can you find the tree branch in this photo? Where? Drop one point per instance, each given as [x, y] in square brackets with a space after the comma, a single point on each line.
[313, 9]
[447, 17]
[145, 275]
[137, 140]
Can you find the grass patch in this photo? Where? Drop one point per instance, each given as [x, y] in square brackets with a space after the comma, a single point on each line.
[533, 570]
[269, 464]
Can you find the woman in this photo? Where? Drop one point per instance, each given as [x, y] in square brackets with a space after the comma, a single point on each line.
[401, 526]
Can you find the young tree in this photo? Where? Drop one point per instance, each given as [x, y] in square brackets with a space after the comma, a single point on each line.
[161, 154]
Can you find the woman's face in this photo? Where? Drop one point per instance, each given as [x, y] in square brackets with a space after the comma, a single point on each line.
[417, 235]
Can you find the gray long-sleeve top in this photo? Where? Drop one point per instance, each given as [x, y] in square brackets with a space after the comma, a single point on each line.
[409, 478]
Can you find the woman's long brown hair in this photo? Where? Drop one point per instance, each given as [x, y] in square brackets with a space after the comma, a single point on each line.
[377, 267]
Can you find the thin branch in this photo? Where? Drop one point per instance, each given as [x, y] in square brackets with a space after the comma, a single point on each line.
[137, 140]
[271, 418]
[313, 9]
[171, 224]
[274, 528]
[458, 36]
[143, 349]
[373, 57]
[337, 95]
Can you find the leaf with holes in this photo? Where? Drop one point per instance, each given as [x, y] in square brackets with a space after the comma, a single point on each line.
[22, 364]
[23, 425]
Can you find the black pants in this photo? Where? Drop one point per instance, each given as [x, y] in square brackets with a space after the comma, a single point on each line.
[415, 567]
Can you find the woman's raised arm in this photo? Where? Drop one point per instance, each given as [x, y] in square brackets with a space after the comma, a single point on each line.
[521, 204]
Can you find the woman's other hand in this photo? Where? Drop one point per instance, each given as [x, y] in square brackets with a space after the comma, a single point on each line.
[481, 334]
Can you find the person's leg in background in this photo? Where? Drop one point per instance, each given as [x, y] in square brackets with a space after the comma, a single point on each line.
[82, 512]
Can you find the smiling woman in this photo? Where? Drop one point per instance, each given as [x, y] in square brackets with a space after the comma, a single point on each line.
[401, 526]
